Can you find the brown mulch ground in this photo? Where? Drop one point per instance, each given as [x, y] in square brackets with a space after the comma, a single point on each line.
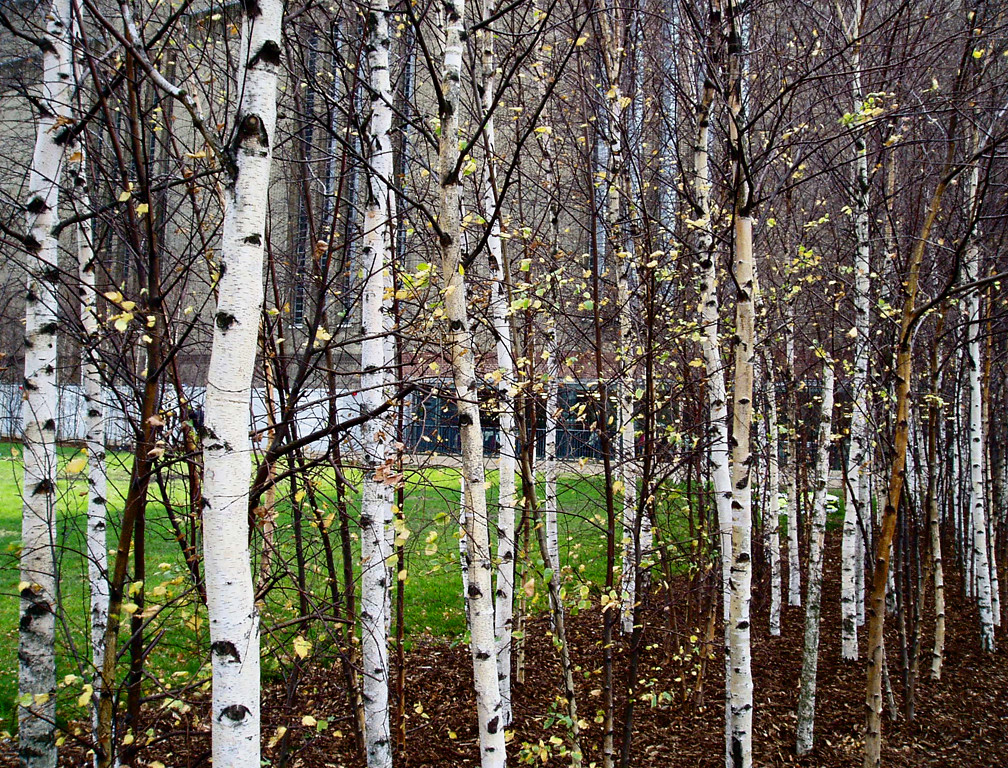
[960, 721]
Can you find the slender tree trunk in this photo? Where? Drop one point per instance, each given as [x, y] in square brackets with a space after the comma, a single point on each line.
[507, 445]
[622, 250]
[934, 523]
[813, 598]
[37, 635]
[94, 407]
[376, 433]
[772, 506]
[554, 364]
[977, 496]
[738, 627]
[552, 568]
[460, 341]
[709, 311]
[233, 617]
[596, 256]
[883, 542]
[791, 461]
[857, 463]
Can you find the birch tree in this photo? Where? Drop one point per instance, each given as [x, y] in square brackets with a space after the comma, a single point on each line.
[772, 514]
[37, 587]
[977, 497]
[612, 23]
[376, 432]
[855, 509]
[507, 444]
[791, 460]
[94, 406]
[933, 517]
[743, 266]
[709, 311]
[231, 610]
[479, 595]
[813, 598]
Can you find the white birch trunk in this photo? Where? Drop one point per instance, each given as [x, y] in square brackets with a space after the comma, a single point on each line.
[552, 341]
[507, 444]
[717, 398]
[738, 629]
[813, 602]
[977, 497]
[863, 538]
[992, 558]
[94, 407]
[857, 464]
[94, 414]
[464, 543]
[772, 506]
[623, 251]
[934, 531]
[550, 467]
[460, 341]
[376, 433]
[37, 635]
[628, 464]
[233, 617]
[791, 465]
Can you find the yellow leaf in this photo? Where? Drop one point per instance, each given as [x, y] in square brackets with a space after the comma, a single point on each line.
[77, 463]
[114, 296]
[308, 721]
[299, 495]
[276, 736]
[86, 692]
[122, 321]
[142, 209]
[529, 587]
[130, 608]
[302, 647]
[581, 41]
[125, 195]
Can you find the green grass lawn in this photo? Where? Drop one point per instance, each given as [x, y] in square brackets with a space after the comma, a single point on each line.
[433, 589]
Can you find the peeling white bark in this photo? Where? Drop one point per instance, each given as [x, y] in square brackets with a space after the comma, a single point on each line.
[506, 443]
[459, 337]
[94, 415]
[857, 463]
[791, 464]
[977, 496]
[813, 602]
[376, 433]
[739, 626]
[233, 617]
[772, 506]
[37, 635]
